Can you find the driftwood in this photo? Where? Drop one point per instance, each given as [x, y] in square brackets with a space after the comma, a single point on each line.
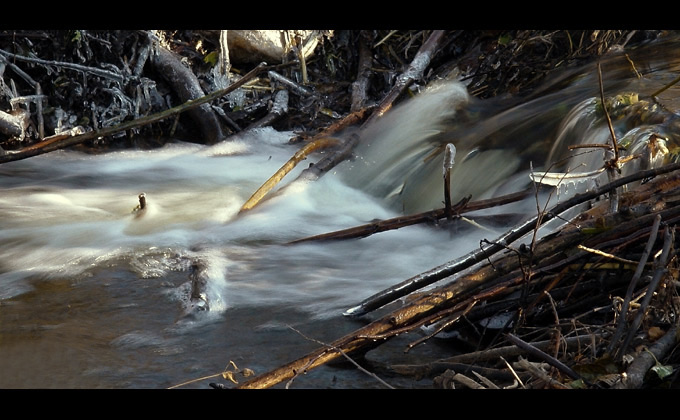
[188, 88]
[466, 261]
[58, 143]
[462, 207]
[641, 209]
[285, 169]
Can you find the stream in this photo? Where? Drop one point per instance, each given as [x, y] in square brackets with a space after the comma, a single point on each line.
[95, 296]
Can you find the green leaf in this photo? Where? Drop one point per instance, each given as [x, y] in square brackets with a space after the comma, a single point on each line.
[211, 58]
[663, 370]
[504, 39]
[578, 384]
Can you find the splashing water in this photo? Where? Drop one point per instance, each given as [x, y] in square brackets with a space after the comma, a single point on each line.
[98, 296]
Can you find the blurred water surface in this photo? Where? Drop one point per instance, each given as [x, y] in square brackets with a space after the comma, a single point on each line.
[93, 297]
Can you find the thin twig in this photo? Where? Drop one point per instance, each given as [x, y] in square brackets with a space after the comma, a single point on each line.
[669, 238]
[633, 284]
[449, 156]
[512, 370]
[658, 92]
[612, 166]
[72, 66]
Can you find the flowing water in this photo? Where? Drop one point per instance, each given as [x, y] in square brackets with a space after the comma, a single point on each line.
[95, 296]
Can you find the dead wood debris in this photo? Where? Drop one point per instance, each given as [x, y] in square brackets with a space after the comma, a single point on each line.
[54, 80]
[591, 319]
[559, 295]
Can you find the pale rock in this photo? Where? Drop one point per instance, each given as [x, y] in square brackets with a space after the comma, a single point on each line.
[270, 46]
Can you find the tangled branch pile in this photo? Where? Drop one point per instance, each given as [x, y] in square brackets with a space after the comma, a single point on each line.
[593, 305]
[64, 83]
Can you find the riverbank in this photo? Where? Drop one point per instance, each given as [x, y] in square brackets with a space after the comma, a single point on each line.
[571, 310]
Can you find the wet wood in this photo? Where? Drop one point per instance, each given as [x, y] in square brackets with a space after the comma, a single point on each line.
[60, 143]
[286, 168]
[462, 207]
[452, 267]
[644, 204]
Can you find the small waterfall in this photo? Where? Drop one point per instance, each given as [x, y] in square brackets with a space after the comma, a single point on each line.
[400, 157]
[646, 136]
[393, 149]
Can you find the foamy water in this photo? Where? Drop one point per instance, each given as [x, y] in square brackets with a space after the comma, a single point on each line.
[99, 296]
[67, 212]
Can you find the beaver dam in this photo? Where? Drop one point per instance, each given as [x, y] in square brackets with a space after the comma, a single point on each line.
[431, 209]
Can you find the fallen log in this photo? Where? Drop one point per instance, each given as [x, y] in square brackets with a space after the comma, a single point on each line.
[187, 87]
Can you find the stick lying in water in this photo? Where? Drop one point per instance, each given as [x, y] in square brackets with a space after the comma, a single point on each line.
[449, 158]
[452, 267]
[463, 206]
[286, 168]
